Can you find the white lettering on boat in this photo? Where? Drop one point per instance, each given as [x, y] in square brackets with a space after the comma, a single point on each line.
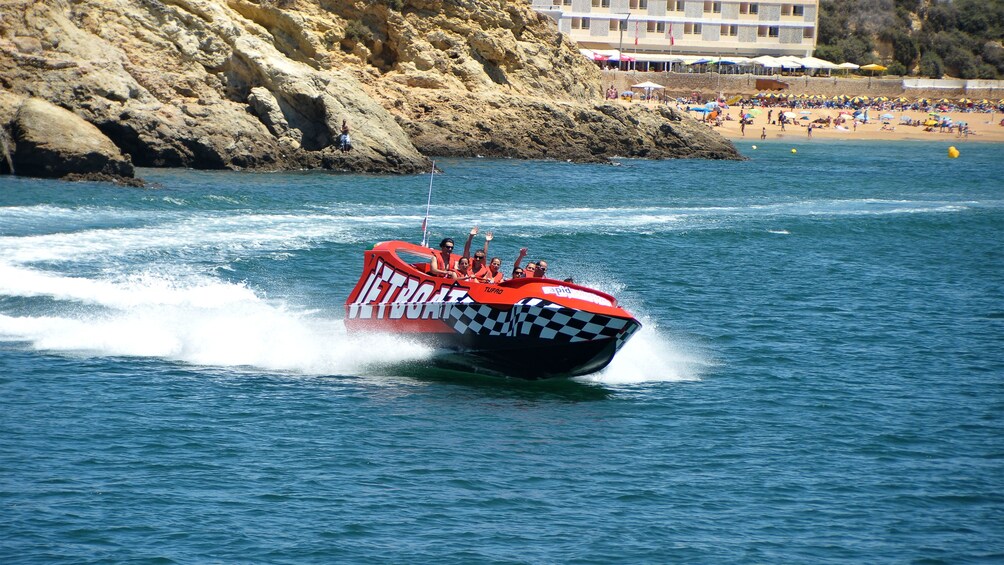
[391, 294]
[566, 292]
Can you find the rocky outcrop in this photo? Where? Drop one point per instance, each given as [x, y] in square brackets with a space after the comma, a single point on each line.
[267, 84]
[52, 142]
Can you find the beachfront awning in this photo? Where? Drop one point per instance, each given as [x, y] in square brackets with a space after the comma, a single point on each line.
[847, 66]
[767, 61]
[814, 63]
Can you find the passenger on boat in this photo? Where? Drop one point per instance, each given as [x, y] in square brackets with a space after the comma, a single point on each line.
[516, 267]
[478, 266]
[540, 270]
[492, 274]
[463, 272]
[444, 262]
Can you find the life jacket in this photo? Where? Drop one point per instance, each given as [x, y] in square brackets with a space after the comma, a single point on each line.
[443, 264]
[487, 277]
[468, 274]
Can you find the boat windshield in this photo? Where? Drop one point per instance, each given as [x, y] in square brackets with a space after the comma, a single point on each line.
[418, 259]
[409, 256]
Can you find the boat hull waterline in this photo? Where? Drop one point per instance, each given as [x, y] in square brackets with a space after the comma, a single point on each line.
[530, 328]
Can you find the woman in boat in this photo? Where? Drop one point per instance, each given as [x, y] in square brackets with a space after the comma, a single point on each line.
[516, 267]
[492, 274]
[463, 271]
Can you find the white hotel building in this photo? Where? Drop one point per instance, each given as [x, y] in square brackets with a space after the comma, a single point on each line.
[656, 30]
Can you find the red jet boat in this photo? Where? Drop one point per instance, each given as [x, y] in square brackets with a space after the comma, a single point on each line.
[530, 328]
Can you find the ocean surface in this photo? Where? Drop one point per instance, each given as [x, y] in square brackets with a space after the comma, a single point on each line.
[820, 377]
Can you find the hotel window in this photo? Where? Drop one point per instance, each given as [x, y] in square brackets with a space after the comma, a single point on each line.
[798, 10]
[713, 7]
[749, 8]
[601, 3]
[674, 5]
[615, 25]
[638, 5]
[692, 29]
[731, 31]
[785, 9]
[655, 27]
[767, 31]
[808, 33]
[566, 2]
[580, 23]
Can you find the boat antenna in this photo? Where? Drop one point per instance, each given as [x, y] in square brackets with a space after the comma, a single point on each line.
[428, 204]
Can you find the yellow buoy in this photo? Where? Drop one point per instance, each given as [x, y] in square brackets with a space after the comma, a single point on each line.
[794, 150]
[953, 153]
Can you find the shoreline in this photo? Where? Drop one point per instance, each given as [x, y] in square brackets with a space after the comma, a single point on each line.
[984, 128]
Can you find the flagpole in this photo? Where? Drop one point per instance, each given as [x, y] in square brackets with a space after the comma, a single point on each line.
[428, 205]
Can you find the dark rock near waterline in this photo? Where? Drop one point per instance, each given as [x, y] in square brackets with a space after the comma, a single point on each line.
[53, 142]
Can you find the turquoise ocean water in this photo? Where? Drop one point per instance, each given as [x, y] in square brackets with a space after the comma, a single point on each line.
[820, 378]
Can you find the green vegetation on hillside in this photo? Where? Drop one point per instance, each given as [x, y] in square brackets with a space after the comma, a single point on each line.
[928, 38]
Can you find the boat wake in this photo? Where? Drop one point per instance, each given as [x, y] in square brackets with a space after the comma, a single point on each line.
[195, 320]
[203, 321]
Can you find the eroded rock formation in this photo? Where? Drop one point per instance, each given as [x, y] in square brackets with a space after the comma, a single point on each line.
[268, 83]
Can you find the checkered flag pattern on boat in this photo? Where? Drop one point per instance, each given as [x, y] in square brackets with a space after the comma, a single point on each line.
[537, 318]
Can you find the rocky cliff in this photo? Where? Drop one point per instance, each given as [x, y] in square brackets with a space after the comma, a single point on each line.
[269, 83]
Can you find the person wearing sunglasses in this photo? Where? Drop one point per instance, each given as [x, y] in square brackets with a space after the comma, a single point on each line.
[540, 269]
[444, 262]
[516, 267]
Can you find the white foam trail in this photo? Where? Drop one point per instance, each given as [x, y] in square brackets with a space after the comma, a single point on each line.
[651, 357]
[135, 290]
[196, 321]
[231, 233]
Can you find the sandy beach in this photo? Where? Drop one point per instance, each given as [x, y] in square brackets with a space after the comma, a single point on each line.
[984, 126]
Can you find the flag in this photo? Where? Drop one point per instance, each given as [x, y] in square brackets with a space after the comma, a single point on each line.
[669, 32]
[636, 33]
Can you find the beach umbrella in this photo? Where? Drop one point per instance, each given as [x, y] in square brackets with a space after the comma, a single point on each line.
[873, 67]
[887, 116]
[647, 85]
[790, 115]
[902, 100]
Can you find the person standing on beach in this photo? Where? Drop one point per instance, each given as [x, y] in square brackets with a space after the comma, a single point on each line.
[809, 131]
[742, 127]
[763, 134]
